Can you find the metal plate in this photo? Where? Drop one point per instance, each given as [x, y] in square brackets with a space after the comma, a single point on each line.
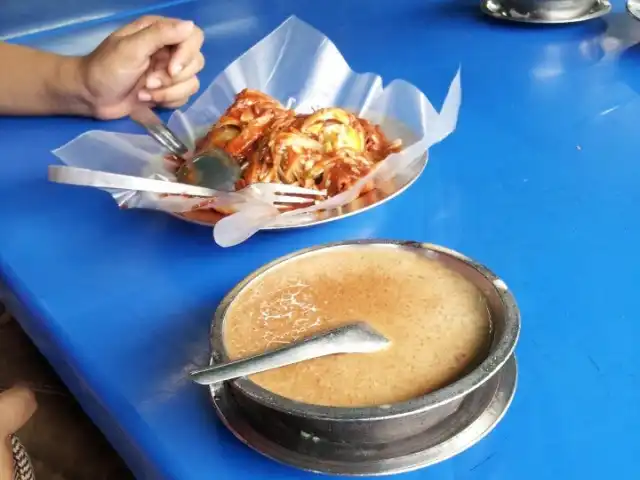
[376, 197]
[478, 414]
[495, 9]
[633, 8]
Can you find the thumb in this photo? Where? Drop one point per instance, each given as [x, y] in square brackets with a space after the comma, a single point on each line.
[17, 405]
[144, 43]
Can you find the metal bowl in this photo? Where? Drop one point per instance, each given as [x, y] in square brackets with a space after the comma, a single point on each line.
[387, 423]
[633, 8]
[551, 10]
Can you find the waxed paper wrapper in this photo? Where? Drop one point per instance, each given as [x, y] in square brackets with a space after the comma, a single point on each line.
[303, 69]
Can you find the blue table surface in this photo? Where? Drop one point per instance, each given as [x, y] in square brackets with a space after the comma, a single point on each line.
[540, 182]
[33, 17]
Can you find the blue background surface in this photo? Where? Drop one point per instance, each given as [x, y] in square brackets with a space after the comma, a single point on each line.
[539, 182]
[33, 17]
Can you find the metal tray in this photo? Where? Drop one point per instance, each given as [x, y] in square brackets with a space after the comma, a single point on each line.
[477, 415]
[379, 439]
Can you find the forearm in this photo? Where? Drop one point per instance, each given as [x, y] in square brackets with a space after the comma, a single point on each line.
[33, 82]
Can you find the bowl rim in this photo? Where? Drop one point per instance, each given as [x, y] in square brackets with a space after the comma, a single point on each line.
[500, 350]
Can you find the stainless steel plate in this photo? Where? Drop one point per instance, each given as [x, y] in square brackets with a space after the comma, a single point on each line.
[495, 9]
[376, 197]
[477, 415]
[633, 8]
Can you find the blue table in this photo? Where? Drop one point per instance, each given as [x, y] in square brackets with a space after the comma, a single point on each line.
[540, 182]
[20, 18]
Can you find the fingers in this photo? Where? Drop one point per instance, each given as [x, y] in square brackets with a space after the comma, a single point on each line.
[161, 58]
[147, 41]
[190, 69]
[176, 94]
[186, 53]
[171, 92]
[167, 50]
[159, 77]
[17, 405]
[174, 105]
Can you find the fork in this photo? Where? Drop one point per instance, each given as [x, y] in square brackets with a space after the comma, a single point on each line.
[273, 193]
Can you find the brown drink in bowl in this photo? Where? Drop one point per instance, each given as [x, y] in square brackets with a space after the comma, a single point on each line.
[438, 323]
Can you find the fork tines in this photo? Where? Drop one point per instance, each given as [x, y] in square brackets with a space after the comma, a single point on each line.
[282, 193]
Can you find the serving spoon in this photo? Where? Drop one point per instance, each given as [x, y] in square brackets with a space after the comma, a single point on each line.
[356, 337]
[214, 168]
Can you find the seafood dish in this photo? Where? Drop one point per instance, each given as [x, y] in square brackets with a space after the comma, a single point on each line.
[327, 150]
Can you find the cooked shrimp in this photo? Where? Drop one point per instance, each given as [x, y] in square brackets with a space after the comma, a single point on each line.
[330, 149]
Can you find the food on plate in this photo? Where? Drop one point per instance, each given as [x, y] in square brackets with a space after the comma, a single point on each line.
[327, 150]
[437, 320]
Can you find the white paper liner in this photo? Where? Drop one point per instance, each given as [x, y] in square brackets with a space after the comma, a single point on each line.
[303, 69]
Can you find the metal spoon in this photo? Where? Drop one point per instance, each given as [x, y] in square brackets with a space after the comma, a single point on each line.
[353, 338]
[214, 168]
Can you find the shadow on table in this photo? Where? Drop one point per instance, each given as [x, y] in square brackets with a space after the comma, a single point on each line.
[627, 30]
[629, 67]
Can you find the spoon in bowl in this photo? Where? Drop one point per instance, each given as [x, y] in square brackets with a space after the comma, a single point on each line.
[356, 337]
[214, 169]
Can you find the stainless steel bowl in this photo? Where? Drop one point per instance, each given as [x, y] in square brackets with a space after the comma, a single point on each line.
[374, 427]
[552, 10]
[633, 8]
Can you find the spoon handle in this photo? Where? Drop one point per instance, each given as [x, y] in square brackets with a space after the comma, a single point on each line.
[147, 118]
[353, 338]
[94, 178]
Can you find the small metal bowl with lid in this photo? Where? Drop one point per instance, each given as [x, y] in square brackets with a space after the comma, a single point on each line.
[546, 11]
[558, 10]
[382, 439]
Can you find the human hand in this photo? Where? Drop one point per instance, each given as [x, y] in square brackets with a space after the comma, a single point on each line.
[153, 60]
[17, 405]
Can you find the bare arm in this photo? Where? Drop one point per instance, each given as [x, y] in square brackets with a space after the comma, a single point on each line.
[40, 83]
[154, 60]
